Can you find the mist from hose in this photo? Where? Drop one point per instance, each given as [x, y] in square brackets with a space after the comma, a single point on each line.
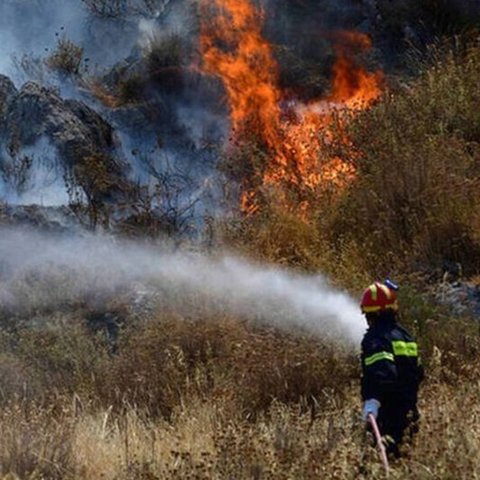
[39, 271]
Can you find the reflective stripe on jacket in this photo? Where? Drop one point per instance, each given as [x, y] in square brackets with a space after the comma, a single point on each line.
[390, 363]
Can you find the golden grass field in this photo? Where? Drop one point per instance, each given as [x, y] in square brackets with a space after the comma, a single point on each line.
[220, 399]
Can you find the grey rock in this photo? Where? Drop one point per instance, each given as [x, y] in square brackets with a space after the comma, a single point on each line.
[461, 297]
[7, 93]
[36, 113]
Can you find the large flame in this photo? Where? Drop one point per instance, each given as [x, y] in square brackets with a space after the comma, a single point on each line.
[245, 64]
[235, 50]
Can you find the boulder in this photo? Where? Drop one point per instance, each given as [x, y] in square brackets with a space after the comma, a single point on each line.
[7, 93]
[38, 111]
[36, 115]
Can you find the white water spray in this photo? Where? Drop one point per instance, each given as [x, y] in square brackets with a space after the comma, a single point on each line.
[39, 270]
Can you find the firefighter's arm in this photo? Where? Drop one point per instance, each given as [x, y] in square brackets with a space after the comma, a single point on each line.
[378, 368]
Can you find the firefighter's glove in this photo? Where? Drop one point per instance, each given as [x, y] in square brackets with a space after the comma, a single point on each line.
[370, 406]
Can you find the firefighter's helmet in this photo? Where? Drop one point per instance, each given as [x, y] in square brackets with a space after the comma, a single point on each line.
[378, 297]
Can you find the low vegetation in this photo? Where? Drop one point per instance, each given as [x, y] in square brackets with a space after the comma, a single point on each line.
[216, 398]
[414, 203]
[67, 58]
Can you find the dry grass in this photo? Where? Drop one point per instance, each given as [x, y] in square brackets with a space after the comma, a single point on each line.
[202, 440]
[220, 399]
[66, 59]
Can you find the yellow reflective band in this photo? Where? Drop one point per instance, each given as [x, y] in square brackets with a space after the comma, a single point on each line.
[373, 291]
[386, 290]
[376, 357]
[375, 308]
[405, 349]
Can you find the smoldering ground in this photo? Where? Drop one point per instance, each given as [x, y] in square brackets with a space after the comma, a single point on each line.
[41, 272]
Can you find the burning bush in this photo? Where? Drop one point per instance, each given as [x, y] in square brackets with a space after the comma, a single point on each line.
[415, 199]
[413, 202]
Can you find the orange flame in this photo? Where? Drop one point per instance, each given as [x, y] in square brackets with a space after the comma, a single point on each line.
[247, 67]
[352, 85]
[235, 50]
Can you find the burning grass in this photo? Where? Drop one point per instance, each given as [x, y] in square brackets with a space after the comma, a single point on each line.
[211, 396]
[418, 177]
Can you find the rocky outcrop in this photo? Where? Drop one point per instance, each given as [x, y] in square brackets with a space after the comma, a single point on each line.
[36, 114]
[7, 93]
[461, 297]
[37, 111]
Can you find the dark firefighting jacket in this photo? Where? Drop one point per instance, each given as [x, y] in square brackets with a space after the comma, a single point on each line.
[391, 365]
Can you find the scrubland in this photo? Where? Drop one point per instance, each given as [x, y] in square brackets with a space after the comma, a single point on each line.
[216, 397]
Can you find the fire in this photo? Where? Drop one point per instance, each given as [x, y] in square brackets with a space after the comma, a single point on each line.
[352, 85]
[235, 50]
[247, 67]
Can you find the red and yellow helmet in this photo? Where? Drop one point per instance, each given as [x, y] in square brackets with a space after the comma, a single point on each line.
[377, 298]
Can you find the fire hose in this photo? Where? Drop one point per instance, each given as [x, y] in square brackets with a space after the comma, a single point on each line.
[380, 445]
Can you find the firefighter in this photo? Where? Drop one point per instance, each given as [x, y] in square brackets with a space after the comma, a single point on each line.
[391, 367]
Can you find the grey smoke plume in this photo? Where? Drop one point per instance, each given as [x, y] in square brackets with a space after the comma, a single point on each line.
[33, 28]
[42, 185]
[110, 32]
[41, 271]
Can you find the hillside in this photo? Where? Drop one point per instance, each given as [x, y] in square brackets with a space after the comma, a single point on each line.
[194, 194]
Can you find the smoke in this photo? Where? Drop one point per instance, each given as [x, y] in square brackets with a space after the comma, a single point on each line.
[34, 177]
[33, 29]
[37, 271]
[188, 122]
[29, 34]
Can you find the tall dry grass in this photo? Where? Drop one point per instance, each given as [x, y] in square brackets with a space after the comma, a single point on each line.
[217, 398]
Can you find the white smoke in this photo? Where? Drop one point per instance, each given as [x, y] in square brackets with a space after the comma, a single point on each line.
[37, 268]
[33, 29]
[149, 31]
[35, 177]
